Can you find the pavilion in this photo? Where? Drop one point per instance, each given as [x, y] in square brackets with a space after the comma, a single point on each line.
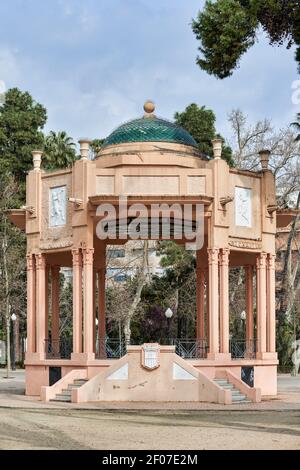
[150, 161]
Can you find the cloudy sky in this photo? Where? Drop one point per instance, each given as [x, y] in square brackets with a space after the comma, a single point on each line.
[93, 63]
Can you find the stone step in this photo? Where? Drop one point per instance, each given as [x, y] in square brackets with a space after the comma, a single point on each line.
[64, 398]
[79, 381]
[238, 402]
[235, 391]
[238, 397]
[70, 386]
[66, 393]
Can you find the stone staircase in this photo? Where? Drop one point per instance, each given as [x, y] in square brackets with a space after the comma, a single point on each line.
[237, 396]
[66, 393]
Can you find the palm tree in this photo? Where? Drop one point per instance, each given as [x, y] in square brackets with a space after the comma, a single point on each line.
[59, 150]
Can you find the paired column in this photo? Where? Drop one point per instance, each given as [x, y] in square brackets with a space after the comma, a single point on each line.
[249, 306]
[213, 272]
[77, 301]
[40, 304]
[224, 300]
[88, 316]
[261, 304]
[47, 303]
[101, 305]
[271, 319]
[55, 308]
[200, 286]
[31, 311]
[207, 306]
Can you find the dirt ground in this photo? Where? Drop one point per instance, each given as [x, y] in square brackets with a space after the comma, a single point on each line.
[30, 424]
[109, 430]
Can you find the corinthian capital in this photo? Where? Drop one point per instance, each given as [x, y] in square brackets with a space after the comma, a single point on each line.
[88, 255]
[224, 256]
[76, 257]
[30, 261]
[40, 261]
[261, 261]
[213, 254]
[271, 261]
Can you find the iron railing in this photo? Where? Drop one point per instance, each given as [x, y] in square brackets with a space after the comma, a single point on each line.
[110, 348]
[191, 348]
[241, 349]
[58, 349]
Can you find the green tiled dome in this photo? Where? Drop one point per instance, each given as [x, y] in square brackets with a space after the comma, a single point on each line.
[149, 129]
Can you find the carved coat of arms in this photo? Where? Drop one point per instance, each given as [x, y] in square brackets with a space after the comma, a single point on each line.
[150, 356]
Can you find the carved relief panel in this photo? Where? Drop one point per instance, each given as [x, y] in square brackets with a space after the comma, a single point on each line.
[56, 211]
[58, 206]
[243, 207]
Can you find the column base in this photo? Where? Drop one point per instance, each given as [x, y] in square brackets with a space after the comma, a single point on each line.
[219, 356]
[34, 356]
[267, 356]
[82, 357]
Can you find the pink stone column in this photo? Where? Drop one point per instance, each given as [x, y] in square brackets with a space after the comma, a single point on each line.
[94, 307]
[101, 311]
[271, 318]
[46, 302]
[40, 304]
[249, 305]
[207, 306]
[224, 300]
[77, 301]
[261, 304]
[200, 327]
[200, 294]
[31, 320]
[55, 308]
[213, 254]
[88, 254]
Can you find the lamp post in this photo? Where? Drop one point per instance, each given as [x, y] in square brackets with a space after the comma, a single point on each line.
[243, 318]
[13, 358]
[97, 338]
[243, 343]
[169, 315]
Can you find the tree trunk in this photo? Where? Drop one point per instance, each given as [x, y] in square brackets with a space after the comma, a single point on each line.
[137, 296]
[289, 281]
[7, 305]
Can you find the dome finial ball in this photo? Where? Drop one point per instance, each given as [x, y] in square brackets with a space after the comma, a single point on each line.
[149, 107]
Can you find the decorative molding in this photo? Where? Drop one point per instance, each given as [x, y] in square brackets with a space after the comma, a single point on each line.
[245, 244]
[54, 244]
[76, 257]
[213, 255]
[88, 255]
[271, 261]
[30, 210]
[225, 200]
[224, 256]
[40, 261]
[261, 261]
[271, 208]
[30, 262]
